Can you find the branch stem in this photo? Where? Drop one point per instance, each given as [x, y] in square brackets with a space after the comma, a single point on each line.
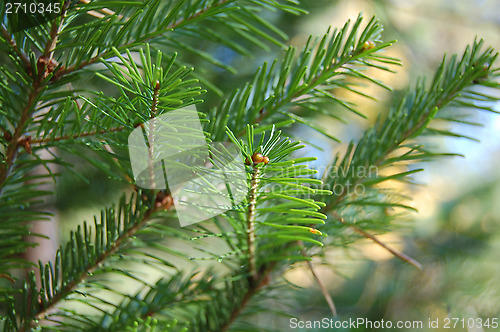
[151, 136]
[254, 288]
[252, 201]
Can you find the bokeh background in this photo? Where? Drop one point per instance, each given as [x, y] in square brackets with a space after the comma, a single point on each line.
[455, 235]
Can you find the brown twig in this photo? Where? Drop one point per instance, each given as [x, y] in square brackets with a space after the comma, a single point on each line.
[322, 287]
[254, 288]
[393, 251]
[13, 146]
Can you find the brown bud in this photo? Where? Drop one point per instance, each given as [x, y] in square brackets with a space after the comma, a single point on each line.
[51, 65]
[45, 66]
[266, 160]
[7, 136]
[315, 231]
[257, 158]
[138, 124]
[163, 200]
[368, 45]
[25, 142]
[157, 86]
[161, 195]
[247, 161]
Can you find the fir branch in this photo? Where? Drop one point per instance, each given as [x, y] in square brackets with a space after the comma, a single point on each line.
[88, 270]
[144, 39]
[38, 87]
[69, 285]
[277, 235]
[413, 114]
[304, 82]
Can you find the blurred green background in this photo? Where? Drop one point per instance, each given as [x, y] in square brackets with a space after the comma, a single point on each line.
[455, 235]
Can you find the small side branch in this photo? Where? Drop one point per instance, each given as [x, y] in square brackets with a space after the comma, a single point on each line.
[322, 287]
[393, 251]
[13, 147]
[75, 136]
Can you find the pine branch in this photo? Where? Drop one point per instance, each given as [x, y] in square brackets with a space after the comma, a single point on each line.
[305, 83]
[38, 87]
[144, 39]
[270, 217]
[88, 270]
[412, 116]
[91, 256]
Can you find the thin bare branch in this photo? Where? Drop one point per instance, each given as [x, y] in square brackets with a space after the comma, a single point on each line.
[322, 287]
[393, 251]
